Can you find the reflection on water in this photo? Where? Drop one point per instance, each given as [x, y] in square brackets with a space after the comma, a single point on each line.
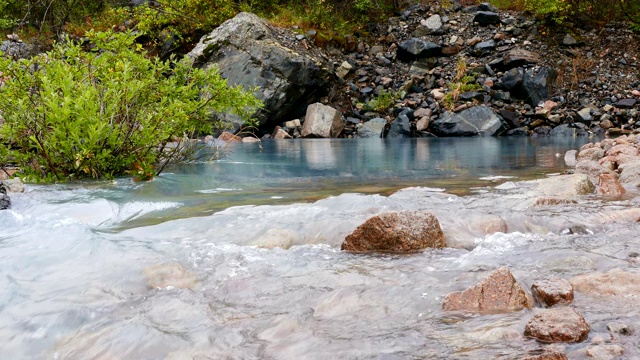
[82, 278]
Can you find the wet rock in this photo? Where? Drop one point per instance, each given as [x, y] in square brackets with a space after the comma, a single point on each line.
[592, 169]
[416, 48]
[565, 186]
[499, 293]
[5, 200]
[477, 120]
[372, 128]
[398, 232]
[552, 292]
[485, 18]
[591, 154]
[169, 275]
[248, 53]
[229, 137]
[620, 328]
[609, 185]
[562, 324]
[548, 355]
[552, 201]
[322, 121]
[280, 134]
[276, 238]
[613, 282]
[630, 173]
[605, 351]
[570, 157]
[14, 185]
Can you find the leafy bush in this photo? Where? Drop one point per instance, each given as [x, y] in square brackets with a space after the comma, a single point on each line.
[385, 100]
[73, 114]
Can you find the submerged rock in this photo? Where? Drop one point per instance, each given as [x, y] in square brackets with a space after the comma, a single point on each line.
[605, 351]
[552, 292]
[398, 232]
[557, 325]
[548, 355]
[499, 293]
[169, 275]
[615, 282]
[565, 186]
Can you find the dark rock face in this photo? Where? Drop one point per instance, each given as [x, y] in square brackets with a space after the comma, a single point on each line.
[484, 48]
[537, 86]
[519, 57]
[478, 120]
[511, 79]
[248, 54]
[397, 232]
[487, 18]
[415, 48]
[5, 200]
[552, 292]
[499, 293]
[557, 325]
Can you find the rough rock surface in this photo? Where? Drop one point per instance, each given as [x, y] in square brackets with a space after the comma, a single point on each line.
[565, 186]
[372, 128]
[552, 292]
[613, 282]
[403, 231]
[322, 121]
[5, 200]
[609, 185]
[169, 275]
[605, 351]
[548, 355]
[248, 53]
[478, 120]
[562, 324]
[499, 293]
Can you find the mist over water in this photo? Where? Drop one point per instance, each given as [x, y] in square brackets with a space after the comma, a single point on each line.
[240, 259]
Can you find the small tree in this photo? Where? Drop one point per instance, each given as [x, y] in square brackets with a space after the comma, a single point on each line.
[71, 114]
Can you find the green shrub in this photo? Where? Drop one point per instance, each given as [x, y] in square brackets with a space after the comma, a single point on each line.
[72, 114]
[385, 100]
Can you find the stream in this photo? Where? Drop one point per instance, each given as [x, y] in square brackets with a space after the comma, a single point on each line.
[240, 258]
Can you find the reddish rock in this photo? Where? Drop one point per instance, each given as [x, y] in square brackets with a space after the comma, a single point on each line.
[229, 137]
[553, 291]
[609, 185]
[614, 282]
[561, 324]
[499, 293]
[403, 231]
[280, 134]
[548, 355]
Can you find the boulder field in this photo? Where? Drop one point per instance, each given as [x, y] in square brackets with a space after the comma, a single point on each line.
[434, 70]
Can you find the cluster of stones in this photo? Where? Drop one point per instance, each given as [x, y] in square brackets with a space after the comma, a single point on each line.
[612, 164]
[516, 74]
[554, 320]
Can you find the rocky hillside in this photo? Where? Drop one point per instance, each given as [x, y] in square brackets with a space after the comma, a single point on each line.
[454, 71]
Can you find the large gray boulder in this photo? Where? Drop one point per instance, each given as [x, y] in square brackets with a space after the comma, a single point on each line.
[248, 53]
[415, 48]
[17, 49]
[477, 120]
[322, 121]
[372, 128]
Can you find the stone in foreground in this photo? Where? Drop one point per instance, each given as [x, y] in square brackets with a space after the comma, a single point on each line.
[548, 355]
[396, 232]
[499, 293]
[322, 121]
[552, 292]
[557, 325]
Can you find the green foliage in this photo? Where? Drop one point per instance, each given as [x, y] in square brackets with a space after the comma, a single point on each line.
[462, 82]
[6, 19]
[73, 114]
[385, 100]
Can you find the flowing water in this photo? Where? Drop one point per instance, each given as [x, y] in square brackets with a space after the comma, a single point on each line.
[240, 259]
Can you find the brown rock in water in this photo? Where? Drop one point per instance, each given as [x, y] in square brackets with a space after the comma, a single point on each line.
[562, 324]
[609, 185]
[172, 274]
[614, 282]
[403, 231]
[499, 293]
[550, 201]
[551, 292]
[229, 137]
[548, 355]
